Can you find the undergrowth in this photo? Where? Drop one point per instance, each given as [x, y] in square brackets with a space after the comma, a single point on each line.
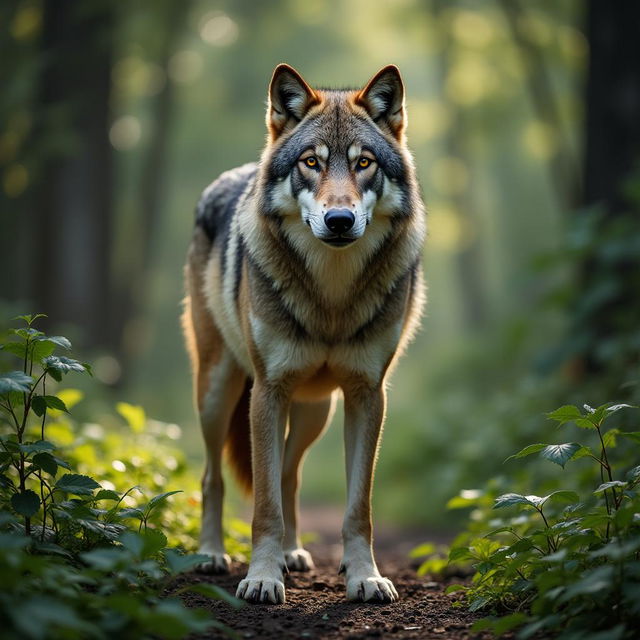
[565, 564]
[89, 535]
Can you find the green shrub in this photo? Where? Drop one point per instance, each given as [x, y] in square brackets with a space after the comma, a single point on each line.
[565, 563]
[82, 558]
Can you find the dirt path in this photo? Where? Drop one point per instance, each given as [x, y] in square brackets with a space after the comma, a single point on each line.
[316, 607]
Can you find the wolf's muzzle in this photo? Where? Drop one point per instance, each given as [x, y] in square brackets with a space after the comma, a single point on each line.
[339, 221]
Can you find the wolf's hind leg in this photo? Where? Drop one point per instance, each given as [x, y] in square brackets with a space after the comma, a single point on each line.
[307, 420]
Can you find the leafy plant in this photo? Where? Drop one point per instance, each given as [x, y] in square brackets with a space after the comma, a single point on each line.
[564, 563]
[78, 558]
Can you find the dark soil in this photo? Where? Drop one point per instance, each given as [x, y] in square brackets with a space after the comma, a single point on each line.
[316, 606]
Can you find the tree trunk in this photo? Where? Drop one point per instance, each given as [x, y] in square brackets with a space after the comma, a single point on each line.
[73, 200]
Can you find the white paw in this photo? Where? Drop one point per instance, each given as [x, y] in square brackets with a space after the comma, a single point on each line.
[268, 591]
[371, 589]
[218, 563]
[298, 560]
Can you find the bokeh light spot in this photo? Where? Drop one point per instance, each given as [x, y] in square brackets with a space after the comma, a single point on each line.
[125, 133]
[218, 29]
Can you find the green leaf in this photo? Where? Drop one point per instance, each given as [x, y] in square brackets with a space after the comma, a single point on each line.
[634, 474]
[15, 381]
[560, 453]
[26, 503]
[153, 541]
[30, 318]
[509, 499]
[630, 435]
[62, 365]
[453, 588]
[564, 414]
[213, 591]
[156, 501]
[564, 495]
[37, 447]
[46, 462]
[527, 451]
[16, 348]
[107, 494]
[424, 549]
[38, 405]
[77, 484]
[178, 562]
[53, 402]
[134, 415]
[608, 485]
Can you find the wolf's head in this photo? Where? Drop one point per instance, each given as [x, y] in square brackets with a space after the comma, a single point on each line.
[336, 160]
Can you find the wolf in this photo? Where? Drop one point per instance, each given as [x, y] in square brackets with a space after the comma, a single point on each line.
[304, 279]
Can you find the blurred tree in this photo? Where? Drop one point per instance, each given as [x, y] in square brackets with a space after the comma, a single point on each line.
[608, 315]
[73, 195]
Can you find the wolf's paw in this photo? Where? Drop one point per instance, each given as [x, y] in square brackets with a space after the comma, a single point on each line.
[267, 591]
[298, 560]
[217, 564]
[371, 589]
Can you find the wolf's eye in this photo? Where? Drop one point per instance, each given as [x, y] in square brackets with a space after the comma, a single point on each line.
[311, 162]
[363, 163]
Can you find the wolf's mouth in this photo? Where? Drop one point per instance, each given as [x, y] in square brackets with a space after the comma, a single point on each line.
[338, 241]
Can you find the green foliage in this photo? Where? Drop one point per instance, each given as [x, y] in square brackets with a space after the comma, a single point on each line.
[565, 563]
[81, 558]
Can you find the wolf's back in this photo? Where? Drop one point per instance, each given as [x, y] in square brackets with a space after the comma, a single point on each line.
[219, 200]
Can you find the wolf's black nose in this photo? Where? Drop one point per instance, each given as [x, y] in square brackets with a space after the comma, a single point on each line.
[339, 220]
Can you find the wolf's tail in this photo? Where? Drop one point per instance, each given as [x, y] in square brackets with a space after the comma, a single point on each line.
[238, 443]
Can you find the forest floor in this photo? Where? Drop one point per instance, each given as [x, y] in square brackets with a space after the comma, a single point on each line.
[316, 607]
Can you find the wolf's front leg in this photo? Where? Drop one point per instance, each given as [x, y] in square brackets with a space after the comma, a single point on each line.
[364, 415]
[264, 581]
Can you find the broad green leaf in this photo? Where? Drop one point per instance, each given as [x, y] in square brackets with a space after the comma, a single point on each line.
[159, 499]
[15, 381]
[178, 562]
[62, 365]
[459, 554]
[616, 407]
[634, 474]
[453, 588]
[46, 462]
[107, 494]
[630, 435]
[509, 499]
[105, 559]
[37, 447]
[38, 405]
[610, 438]
[564, 414]
[153, 541]
[77, 484]
[527, 451]
[26, 503]
[608, 485]
[560, 453]
[583, 452]
[53, 402]
[16, 348]
[564, 495]
[30, 318]
[134, 415]
[130, 512]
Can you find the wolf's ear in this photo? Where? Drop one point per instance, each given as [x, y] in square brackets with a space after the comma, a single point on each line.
[383, 98]
[290, 97]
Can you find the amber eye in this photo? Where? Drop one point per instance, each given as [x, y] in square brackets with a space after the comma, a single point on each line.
[311, 161]
[363, 163]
